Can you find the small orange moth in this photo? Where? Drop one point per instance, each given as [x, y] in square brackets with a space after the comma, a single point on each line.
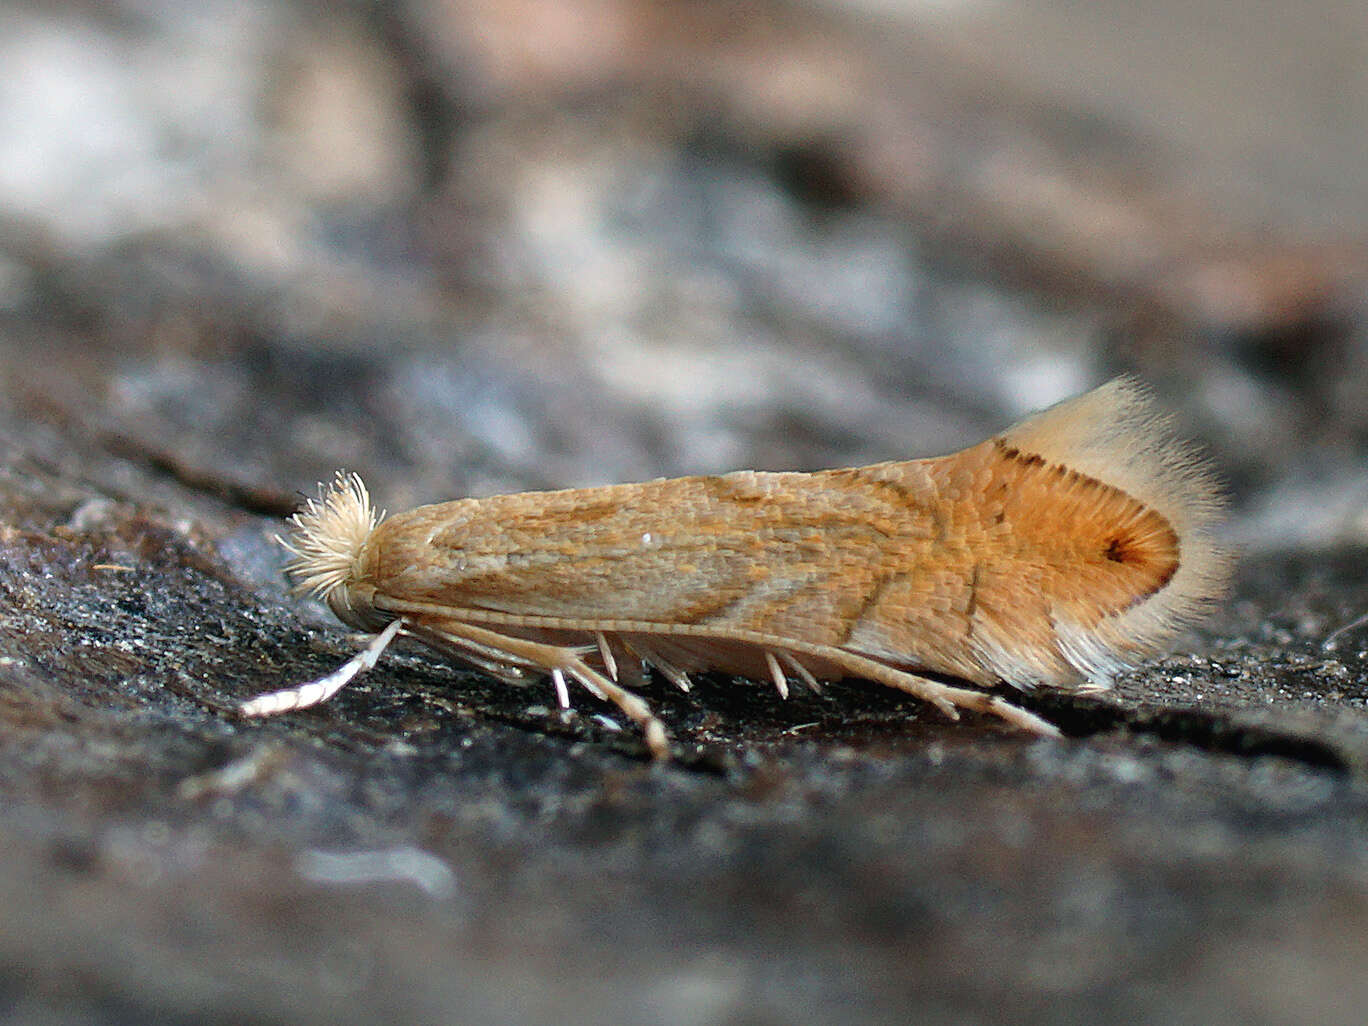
[1070, 546]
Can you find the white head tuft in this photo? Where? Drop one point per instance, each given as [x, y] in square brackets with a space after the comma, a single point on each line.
[327, 539]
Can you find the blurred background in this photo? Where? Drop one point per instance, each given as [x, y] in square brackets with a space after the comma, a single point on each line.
[472, 246]
[491, 245]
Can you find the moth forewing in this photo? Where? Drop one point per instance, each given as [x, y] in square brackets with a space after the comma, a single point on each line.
[1075, 543]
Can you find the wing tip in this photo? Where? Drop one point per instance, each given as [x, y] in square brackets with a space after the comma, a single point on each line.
[1116, 434]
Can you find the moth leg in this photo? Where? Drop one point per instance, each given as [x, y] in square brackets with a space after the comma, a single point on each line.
[325, 687]
[512, 667]
[562, 692]
[632, 706]
[606, 654]
[675, 676]
[801, 671]
[946, 698]
[668, 669]
[1013, 714]
[553, 660]
[497, 663]
[776, 674]
[490, 658]
[633, 671]
[510, 673]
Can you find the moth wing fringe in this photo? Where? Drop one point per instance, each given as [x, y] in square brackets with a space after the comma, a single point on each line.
[1116, 435]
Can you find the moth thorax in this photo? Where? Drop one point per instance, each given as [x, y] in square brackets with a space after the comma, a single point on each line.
[328, 545]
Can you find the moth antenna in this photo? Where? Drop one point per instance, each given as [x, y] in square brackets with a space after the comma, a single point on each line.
[1332, 639]
[325, 687]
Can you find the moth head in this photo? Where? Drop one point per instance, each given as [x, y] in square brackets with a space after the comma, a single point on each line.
[327, 541]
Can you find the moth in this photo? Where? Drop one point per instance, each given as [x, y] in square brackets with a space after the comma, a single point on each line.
[1070, 546]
